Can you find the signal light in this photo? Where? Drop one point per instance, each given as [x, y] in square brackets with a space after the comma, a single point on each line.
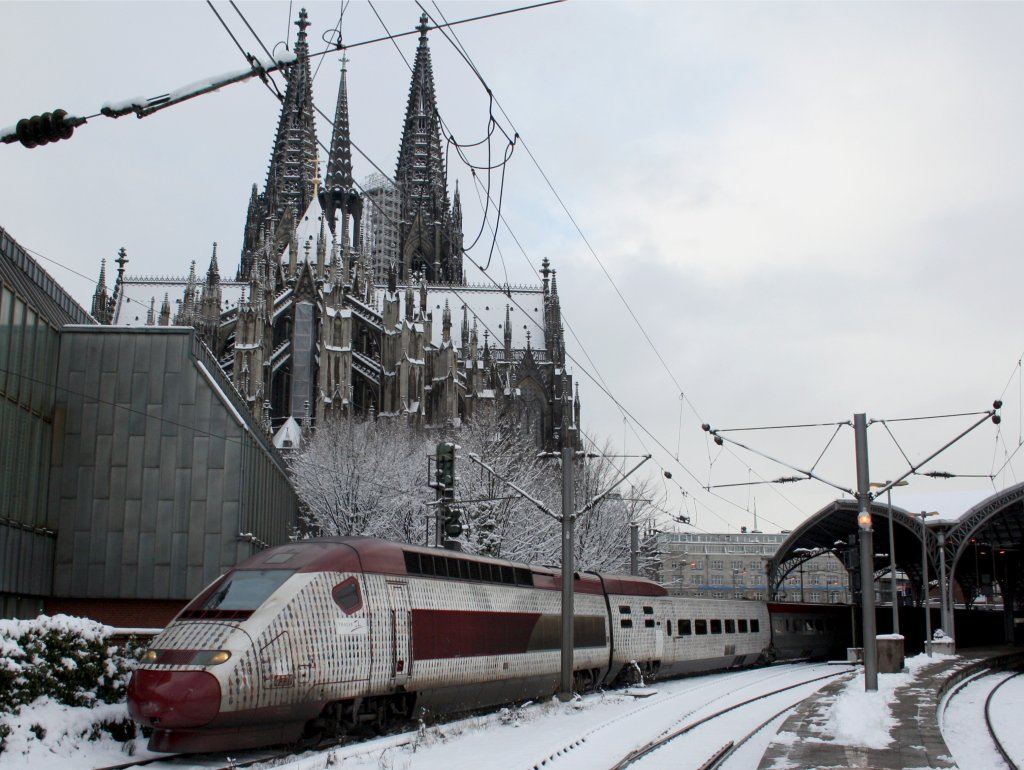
[43, 129]
[864, 520]
[445, 473]
[453, 526]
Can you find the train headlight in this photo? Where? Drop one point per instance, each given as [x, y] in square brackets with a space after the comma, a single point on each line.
[210, 657]
[186, 657]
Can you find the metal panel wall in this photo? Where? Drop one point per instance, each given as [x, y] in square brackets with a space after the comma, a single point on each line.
[157, 456]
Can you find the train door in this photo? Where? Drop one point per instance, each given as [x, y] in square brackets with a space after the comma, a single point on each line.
[401, 632]
[659, 636]
[277, 664]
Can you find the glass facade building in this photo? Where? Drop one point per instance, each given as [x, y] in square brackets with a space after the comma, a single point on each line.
[33, 308]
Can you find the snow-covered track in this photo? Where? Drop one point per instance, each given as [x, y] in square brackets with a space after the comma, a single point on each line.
[554, 752]
[969, 696]
[722, 755]
[991, 728]
[204, 761]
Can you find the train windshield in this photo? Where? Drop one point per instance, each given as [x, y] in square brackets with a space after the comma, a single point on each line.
[246, 589]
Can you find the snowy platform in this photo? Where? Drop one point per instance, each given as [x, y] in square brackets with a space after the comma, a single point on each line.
[896, 727]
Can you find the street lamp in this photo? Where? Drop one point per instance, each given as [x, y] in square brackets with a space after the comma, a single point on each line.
[925, 599]
[892, 550]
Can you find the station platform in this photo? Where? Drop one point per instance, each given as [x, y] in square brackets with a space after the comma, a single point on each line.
[806, 740]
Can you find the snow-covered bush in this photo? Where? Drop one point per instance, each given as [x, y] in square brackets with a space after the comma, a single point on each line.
[49, 663]
[65, 658]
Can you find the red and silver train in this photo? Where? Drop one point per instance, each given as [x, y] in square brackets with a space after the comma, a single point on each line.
[321, 636]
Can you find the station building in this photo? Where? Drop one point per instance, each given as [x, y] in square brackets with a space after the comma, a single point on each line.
[132, 471]
[735, 566]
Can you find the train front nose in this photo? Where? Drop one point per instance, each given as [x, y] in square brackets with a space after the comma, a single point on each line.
[173, 699]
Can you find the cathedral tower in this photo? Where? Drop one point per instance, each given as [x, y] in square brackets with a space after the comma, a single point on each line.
[291, 178]
[429, 240]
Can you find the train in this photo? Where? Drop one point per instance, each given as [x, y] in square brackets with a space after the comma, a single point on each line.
[324, 637]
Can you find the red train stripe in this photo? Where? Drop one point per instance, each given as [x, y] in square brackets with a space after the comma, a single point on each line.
[458, 634]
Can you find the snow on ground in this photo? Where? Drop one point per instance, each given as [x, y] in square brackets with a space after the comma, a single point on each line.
[963, 723]
[47, 735]
[594, 731]
[1006, 718]
[588, 732]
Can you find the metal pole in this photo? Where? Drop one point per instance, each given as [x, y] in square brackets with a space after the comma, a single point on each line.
[568, 567]
[892, 568]
[924, 588]
[943, 609]
[867, 559]
[634, 547]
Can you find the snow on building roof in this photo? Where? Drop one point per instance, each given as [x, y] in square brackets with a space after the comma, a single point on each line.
[289, 435]
[487, 305]
[307, 231]
[137, 293]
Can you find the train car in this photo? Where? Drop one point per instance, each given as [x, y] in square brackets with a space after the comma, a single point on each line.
[809, 631]
[322, 636]
[335, 633]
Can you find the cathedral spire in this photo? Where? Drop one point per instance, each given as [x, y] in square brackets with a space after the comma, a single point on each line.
[427, 239]
[100, 303]
[291, 178]
[339, 162]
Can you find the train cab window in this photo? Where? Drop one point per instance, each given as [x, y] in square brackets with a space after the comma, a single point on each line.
[626, 623]
[648, 610]
[730, 626]
[507, 576]
[474, 570]
[624, 609]
[684, 627]
[755, 625]
[246, 589]
[668, 628]
[700, 626]
[346, 595]
[716, 626]
[742, 625]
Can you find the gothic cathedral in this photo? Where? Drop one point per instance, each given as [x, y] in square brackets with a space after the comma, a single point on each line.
[351, 299]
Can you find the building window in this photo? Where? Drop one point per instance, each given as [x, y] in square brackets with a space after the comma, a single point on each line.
[718, 565]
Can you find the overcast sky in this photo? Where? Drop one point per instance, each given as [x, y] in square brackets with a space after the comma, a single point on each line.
[812, 209]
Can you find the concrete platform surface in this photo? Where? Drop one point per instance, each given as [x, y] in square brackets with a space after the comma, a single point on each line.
[805, 741]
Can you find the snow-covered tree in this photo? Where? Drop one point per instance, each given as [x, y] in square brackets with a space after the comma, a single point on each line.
[366, 477]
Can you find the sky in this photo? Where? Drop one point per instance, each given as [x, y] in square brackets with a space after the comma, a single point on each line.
[781, 213]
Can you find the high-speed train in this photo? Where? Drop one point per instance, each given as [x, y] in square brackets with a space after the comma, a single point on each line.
[323, 636]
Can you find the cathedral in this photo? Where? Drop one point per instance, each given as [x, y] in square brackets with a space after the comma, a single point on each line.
[351, 299]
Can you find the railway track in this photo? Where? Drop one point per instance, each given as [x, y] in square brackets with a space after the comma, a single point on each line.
[550, 756]
[205, 761]
[980, 680]
[719, 758]
[1000, 746]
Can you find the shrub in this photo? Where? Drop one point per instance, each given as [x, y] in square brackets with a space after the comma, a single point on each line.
[68, 659]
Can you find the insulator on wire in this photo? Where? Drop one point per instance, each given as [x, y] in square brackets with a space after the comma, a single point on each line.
[44, 129]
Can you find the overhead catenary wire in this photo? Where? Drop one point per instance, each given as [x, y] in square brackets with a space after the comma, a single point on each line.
[464, 53]
[253, 62]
